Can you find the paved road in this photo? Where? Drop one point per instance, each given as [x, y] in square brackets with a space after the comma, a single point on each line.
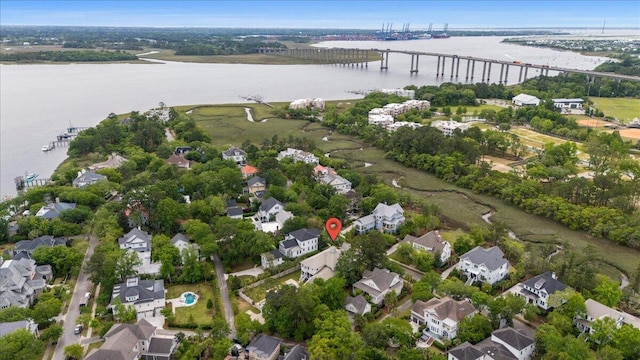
[224, 292]
[82, 286]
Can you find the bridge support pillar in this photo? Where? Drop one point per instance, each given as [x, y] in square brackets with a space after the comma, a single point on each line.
[501, 73]
[366, 58]
[438, 67]
[520, 75]
[417, 58]
[467, 76]
[506, 74]
[546, 73]
[457, 66]
[526, 69]
[473, 68]
[484, 70]
[489, 73]
[453, 62]
[384, 60]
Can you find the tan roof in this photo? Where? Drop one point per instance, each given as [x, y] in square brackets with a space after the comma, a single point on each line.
[447, 308]
[431, 239]
[597, 310]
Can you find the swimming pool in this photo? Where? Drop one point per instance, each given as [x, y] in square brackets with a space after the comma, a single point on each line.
[189, 298]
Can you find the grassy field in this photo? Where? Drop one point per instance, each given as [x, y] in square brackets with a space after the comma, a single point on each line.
[198, 312]
[623, 109]
[259, 293]
[461, 208]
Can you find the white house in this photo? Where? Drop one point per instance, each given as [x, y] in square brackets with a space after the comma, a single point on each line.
[596, 311]
[399, 92]
[236, 155]
[431, 242]
[398, 124]
[448, 127]
[298, 155]
[272, 258]
[357, 305]
[539, 289]
[336, 181]
[505, 343]
[525, 100]
[134, 341]
[146, 296]
[299, 242]
[21, 281]
[271, 216]
[321, 265]
[376, 117]
[568, 103]
[268, 209]
[182, 243]
[385, 218]
[441, 316]
[486, 265]
[316, 103]
[85, 178]
[140, 242]
[378, 283]
[54, 209]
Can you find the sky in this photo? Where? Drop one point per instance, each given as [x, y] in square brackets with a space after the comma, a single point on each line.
[345, 14]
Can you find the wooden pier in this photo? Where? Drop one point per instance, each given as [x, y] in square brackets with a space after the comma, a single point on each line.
[22, 183]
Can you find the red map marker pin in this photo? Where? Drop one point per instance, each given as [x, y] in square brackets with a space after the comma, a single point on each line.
[333, 227]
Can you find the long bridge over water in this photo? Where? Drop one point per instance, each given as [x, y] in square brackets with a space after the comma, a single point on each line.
[361, 58]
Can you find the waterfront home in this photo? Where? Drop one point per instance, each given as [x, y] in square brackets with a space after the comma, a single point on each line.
[597, 311]
[486, 265]
[236, 155]
[85, 178]
[298, 156]
[384, 218]
[53, 210]
[431, 242]
[538, 289]
[329, 177]
[114, 161]
[314, 104]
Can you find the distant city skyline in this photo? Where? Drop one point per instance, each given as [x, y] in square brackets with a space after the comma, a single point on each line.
[324, 14]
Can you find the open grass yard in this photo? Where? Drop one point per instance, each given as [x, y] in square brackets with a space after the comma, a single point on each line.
[534, 138]
[243, 306]
[198, 312]
[623, 109]
[450, 236]
[259, 292]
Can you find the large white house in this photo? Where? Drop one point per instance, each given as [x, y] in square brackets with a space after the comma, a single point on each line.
[378, 283]
[505, 343]
[298, 155]
[539, 289]
[132, 342]
[321, 265]
[308, 103]
[385, 218]
[236, 155]
[448, 127]
[486, 265]
[271, 216]
[431, 242]
[140, 242]
[596, 311]
[299, 242]
[441, 316]
[21, 281]
[146, 296]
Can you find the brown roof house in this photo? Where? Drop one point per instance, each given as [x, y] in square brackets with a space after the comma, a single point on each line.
[442, 316]
[431, 242]
[378, 283]
[132, 342]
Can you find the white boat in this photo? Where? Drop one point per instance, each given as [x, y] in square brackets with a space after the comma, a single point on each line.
[31, 177]
[47, 147]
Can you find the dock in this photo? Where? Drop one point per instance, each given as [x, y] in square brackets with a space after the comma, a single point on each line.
[22, 183]
[256, 98]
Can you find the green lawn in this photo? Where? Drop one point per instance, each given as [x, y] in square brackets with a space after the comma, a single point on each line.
[258, 293]
[198, 312]
[623, 109]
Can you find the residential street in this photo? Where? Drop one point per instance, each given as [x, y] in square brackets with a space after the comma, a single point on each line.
[224, 293]
[82, 286]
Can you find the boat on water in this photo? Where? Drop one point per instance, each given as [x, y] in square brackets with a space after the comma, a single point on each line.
[30, 177]
[47, 147]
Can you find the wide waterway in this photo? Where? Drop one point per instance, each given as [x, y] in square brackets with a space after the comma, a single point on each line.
[39, 101]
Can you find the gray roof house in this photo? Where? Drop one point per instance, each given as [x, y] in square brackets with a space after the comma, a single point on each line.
[357, 305]
[384, 218]
[269, 207]
[486, 265]
[140, 242]
[25, 248]
[9, 327]
[236, 155]
[339, 183]
[21, 281]
[54, 209]
[182, 242]
[299, 242]
[87, 178]
[114, 161]
[264, 347]
[298, 352]
[132, 342]
[271, 259]
[441, 316]
[147, 296]
[538, 289]
[596, 311]
[431, 242]
[271, 216]
[378, 283]
[504, 344]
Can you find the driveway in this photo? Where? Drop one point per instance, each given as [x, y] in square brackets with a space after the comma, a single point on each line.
[224, 293]
[82, 286]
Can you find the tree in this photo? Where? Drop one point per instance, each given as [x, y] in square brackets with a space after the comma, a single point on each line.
[367, 252]
[44, 310]
[74, 351]
[334, 339]
[604, 330]
[391, 300]
[627, 340]
[474, 329]
[20, 345]
[331, 292]
[607, 291]
[192, 269]
[52, 333]
[127, 264]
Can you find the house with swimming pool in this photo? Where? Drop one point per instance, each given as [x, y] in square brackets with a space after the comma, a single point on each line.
[146, 296]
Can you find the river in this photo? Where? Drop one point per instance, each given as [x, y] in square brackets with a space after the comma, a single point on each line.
[39, 101]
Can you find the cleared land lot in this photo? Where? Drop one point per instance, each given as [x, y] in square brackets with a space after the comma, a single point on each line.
[623, 109]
